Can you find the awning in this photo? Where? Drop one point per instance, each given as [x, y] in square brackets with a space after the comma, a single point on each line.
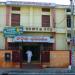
[33, 39]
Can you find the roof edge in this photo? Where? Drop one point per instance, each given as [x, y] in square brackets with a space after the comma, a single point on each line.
[22, 3]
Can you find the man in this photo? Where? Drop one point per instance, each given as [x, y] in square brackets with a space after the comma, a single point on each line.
[29, 55]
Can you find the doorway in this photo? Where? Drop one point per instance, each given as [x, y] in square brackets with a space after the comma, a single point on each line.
[35, 51]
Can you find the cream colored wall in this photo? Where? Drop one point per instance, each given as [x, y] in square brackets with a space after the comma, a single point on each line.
[2, 24]
[30, 16]
[38, 34]
[2, 41]
[60, 18]
[61, 39]
[2, 16]
[37, 16]
[24, 19]
[34, 17]
[61, 43]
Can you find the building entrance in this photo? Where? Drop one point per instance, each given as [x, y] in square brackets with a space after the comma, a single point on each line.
[35, 53]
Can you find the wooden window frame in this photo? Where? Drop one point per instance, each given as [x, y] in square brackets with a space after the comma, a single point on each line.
[14, 21]
[45, 9]
[45, 20]
[15, 8]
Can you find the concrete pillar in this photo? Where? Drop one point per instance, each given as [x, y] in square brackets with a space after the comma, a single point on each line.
[8, 10]
[52, 18]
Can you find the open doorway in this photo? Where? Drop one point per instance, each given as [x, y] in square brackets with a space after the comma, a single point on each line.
[35, 51]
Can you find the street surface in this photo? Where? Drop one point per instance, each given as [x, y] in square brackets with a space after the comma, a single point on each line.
[46, 71]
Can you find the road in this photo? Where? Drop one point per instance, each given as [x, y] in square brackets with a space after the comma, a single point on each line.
[46, 71]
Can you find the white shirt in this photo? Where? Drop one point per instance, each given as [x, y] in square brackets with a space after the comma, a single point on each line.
[29, 53]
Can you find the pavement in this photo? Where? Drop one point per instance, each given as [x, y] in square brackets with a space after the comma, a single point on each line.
[45, 71]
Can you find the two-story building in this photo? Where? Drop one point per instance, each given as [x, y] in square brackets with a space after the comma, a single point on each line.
[44, 28]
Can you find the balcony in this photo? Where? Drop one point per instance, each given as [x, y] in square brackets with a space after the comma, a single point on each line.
[45, 29]
[39, 29]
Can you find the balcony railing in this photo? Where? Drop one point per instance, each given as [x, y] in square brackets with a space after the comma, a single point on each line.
[38, 29]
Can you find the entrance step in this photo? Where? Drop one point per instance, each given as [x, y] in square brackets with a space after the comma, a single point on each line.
[31, 66]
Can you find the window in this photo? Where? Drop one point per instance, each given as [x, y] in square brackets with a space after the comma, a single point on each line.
[45, 20]
[68, 10]
[46, 9]
[15, 19]
[69, 35]
[16, 8]
[7, 57]
[68, 21]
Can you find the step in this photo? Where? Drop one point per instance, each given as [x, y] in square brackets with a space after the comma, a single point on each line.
[31, 66]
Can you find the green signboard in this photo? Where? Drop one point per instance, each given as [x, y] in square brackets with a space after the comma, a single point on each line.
[12, 31]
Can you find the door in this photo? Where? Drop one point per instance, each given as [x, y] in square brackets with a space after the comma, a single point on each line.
[16, 56]
[35, 52]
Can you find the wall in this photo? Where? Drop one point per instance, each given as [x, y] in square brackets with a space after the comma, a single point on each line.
[61, 29]
[60, 18]
[2, 16]
[37, 17]
[2, 41]
[4, 64]
[30, 16]
[37, 34]
[58, 59]
[61, 42]
[24, 20]
[2, 24]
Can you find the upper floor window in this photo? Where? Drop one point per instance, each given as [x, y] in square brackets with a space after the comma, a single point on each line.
[69, 35]
[68, 21]
[16, 8]
[68, 10]
[15, 19]
[45, 20]
[46, 9]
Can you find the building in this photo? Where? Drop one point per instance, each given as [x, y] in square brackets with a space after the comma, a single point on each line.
[45, 28]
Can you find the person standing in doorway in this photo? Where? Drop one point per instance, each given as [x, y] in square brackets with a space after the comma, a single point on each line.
[29, 55]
